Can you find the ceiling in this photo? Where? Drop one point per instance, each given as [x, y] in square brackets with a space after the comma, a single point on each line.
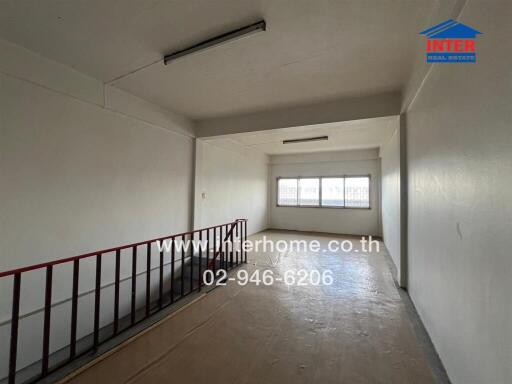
[312, 51]
[357, 134]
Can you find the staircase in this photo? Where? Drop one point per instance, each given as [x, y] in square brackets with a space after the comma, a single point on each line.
[175, 280]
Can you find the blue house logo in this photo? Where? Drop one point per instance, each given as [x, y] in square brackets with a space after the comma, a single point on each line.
[451, 42]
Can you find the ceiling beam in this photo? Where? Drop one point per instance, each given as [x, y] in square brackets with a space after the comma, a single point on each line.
[385, 104]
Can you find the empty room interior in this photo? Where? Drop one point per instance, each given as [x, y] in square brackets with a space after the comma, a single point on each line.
[255, 191]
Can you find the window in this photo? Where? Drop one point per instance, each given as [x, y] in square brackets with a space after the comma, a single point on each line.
[287, 192]
[324, 192]
[309, 192]
[333, 191]
[357, 192]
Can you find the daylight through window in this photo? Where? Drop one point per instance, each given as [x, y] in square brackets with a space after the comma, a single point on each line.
[327, 192]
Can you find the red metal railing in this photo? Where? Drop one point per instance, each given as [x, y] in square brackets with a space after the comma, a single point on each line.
[227, 259]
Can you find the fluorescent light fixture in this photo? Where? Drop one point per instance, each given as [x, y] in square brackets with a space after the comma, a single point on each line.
[227, 37]
[304, 140]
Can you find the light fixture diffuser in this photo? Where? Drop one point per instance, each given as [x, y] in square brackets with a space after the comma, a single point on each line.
[304, 140]
[227, 37]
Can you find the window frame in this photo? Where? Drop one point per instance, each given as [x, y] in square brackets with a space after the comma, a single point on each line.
[320, 205]
[299, 205]
[321, 196]
[369, 191]
[277, 192]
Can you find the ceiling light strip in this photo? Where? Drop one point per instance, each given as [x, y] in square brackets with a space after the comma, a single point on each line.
[307, 139]
[227, 37]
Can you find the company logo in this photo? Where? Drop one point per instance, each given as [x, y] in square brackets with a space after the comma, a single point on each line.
[451, 42]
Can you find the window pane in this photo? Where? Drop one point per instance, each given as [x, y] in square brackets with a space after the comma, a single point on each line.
[287, 192]
[309, 191]
[357, 192]
[332, 192]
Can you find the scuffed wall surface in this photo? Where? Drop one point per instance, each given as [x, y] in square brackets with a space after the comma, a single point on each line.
[459, 140]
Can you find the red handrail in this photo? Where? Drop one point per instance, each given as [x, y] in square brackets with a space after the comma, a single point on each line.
[90, 254]
[228, 234]
[162, 302]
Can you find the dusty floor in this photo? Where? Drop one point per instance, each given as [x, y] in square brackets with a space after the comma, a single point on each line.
[356, 330]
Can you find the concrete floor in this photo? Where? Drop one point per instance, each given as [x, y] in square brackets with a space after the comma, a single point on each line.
[357, 330]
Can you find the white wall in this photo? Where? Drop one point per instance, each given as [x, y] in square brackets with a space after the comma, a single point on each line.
[82, 168]
[390, 171]
[332, 220]
[459, 141]
[234, 183]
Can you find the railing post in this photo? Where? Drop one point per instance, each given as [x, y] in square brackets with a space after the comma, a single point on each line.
[242, 241]
[207, 249]
[148, 278]
[214, 250]
[200, 279]
[182, 274]
[161, 278]
[191, 262]
[134, 284]
[47, 319]
[15, 315]
[74, 309]
[97, 297]
[245, 239]
[241, 237]
[226, 246]
[116, 291]
[232, 250]
[237, 240]
[221, 247]
[173, 249]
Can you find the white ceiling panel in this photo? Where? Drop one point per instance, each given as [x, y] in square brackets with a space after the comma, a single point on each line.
[358, 134]
[312, 51]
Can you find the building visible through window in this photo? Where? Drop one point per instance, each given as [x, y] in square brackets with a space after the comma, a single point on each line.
[309, 192]
[357, 192]
[324, 192]
[288, 193]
